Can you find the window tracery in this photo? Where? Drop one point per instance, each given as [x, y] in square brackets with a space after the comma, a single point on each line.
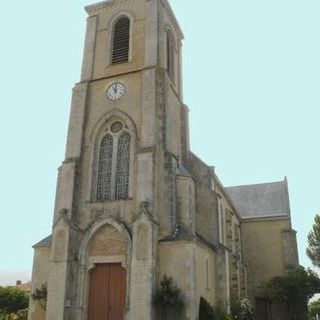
[116, 127]
[105, 168]
[113, 175]
[123, 165]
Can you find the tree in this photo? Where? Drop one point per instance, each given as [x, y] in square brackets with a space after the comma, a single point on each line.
[20, 315]
[293, 290]
[314, 309]
[40, 295]
[168, 298]
[13, 300]
[206, 311]
[313, 250]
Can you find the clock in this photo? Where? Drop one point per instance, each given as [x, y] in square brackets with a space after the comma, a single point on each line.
[115, 91]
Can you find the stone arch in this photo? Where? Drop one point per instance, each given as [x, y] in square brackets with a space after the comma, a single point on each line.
[88, 260]
[99, 133]
[171, 52]
[168, 28]
[123, 13]
[88, 236]
[113, 113]
[121, 41]
[111, 26]
[107, 241]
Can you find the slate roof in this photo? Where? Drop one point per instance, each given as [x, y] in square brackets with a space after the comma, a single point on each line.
[44, 243]
[261, 200]
[182, 171]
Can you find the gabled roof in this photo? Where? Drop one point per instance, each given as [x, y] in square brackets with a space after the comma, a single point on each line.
[261, 200]
[44, 243]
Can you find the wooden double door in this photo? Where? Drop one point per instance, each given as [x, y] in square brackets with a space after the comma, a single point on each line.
[107, 292]
[262, 311]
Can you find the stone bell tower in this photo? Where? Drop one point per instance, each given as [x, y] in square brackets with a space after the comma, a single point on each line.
[117, 187]
[133, 203]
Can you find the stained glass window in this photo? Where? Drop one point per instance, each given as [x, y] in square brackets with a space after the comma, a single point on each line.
[113, 174]
[116, 127]
[104, 189]
[123, 166]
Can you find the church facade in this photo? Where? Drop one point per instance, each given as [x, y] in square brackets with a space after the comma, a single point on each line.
[133, 203]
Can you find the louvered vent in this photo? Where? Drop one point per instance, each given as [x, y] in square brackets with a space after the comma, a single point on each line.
[121, 37]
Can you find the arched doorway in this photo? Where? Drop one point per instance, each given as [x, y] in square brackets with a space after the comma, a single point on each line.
[108, 275]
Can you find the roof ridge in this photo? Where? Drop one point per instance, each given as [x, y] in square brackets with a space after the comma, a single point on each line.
[256, 184]
[263, 199]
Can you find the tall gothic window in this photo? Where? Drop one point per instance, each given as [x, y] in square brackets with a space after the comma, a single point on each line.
[123, 166]
[113, 174]
[105, 168]
[170, 54]
[121, 41]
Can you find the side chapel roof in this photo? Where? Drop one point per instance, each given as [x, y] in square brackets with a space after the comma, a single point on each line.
[44, 243]
[261, 200]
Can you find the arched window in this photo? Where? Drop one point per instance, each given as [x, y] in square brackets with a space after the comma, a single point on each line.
[170, 54]
[113, 174]
[123, 166]
[121, 41]
[105, 168]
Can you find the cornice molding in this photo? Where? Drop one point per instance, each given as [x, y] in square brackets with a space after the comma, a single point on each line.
[266, 218]
[107, 4]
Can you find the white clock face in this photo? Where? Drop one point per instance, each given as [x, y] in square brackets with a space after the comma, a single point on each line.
[115, 91]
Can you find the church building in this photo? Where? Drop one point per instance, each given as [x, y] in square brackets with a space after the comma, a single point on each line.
[133, 203]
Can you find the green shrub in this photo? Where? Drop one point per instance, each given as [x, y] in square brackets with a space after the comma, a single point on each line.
[293, 290]
[20, 315]
[314, 309]
[242, 309]
[224, 316]
[13, 299]
[168, 298]
[206, 311]
[40, 295]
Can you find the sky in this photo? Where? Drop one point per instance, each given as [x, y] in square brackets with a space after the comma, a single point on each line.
[251, 81]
